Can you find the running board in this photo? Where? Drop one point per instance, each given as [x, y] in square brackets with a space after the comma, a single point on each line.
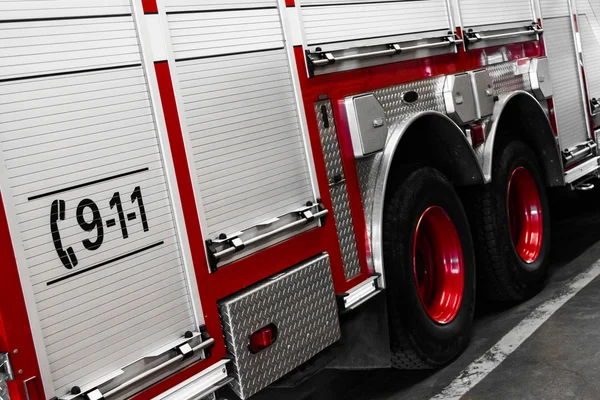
[582, 170]
[359, 294]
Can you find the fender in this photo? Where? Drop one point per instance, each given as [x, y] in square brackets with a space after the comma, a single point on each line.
[467, 170]
[536, 128]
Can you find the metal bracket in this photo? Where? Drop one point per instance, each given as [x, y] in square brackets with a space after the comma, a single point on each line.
[594, 106]
[95, 394]
[579, 150]
[183, 351]
[328, 58]
[236, 244]
[475, 37]
[359, 294]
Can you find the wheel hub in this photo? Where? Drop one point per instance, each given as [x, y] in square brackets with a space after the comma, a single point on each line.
[438, 265]
[525, 215]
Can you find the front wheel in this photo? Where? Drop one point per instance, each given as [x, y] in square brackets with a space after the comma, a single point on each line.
[430, 271]
[511, 226]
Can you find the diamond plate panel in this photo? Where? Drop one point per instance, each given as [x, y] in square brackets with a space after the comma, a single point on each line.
[301, 302]
[339, 190]
[431, 97]
[506, 79]
[329, 140]
[345, 230]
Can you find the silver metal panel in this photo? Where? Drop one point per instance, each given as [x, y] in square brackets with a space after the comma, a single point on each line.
[30, 9]
[326, 22]
[539, 75]
[460, 98]
[554, 8]
[301, 302]
[203, 5]
[213, 33]
[491, 12]
[570, 112]
[509, 77]
[367, 124]
[248, 148]
[40, 47]
[339, 191]
[89, 135]
[483, 88]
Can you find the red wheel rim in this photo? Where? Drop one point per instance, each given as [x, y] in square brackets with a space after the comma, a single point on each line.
[438, 265]
[525, 214]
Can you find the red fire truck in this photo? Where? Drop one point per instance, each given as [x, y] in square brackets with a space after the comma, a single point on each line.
[194, 193]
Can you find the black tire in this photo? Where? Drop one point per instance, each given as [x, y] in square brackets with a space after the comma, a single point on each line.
[416, 340]
[503, 275]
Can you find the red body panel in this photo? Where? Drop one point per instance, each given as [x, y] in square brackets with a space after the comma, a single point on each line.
[15, 331]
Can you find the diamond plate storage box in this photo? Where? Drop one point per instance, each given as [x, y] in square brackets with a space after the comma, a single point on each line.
[301, 303]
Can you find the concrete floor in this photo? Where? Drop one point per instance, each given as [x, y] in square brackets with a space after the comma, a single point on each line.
[561, 360]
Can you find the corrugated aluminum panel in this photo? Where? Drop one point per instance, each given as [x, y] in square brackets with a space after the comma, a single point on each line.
[32, 9]
[328, 22]
[554, 8]
[199, 5]
[562, 57]
[490, 12]
[589, 26]
[88, 192]
[248, 149]
[203, 34]
[68, 131]
[40, 47]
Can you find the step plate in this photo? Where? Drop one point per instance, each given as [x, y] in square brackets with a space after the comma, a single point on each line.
[301, 303]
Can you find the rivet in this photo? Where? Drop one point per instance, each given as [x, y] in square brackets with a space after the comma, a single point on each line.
[15, 351]
[20, 371]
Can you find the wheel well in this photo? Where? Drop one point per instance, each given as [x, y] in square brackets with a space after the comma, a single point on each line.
[524, 118]
[435, 140]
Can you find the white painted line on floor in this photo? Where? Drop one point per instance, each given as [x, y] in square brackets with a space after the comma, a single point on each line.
[480, 368]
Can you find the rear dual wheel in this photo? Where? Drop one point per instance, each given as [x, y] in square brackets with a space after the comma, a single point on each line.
[430, 271]
[511, 226]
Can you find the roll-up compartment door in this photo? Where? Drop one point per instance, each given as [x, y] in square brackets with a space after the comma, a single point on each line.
[86, 193]
[563, 57]
[351, 27]
[242, 120]
[491, 22]
[589, 29]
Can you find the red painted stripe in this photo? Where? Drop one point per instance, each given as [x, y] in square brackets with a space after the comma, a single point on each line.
[150, 6]
[184, 182]
[15, 331]
[290, 3]
[237, 275]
